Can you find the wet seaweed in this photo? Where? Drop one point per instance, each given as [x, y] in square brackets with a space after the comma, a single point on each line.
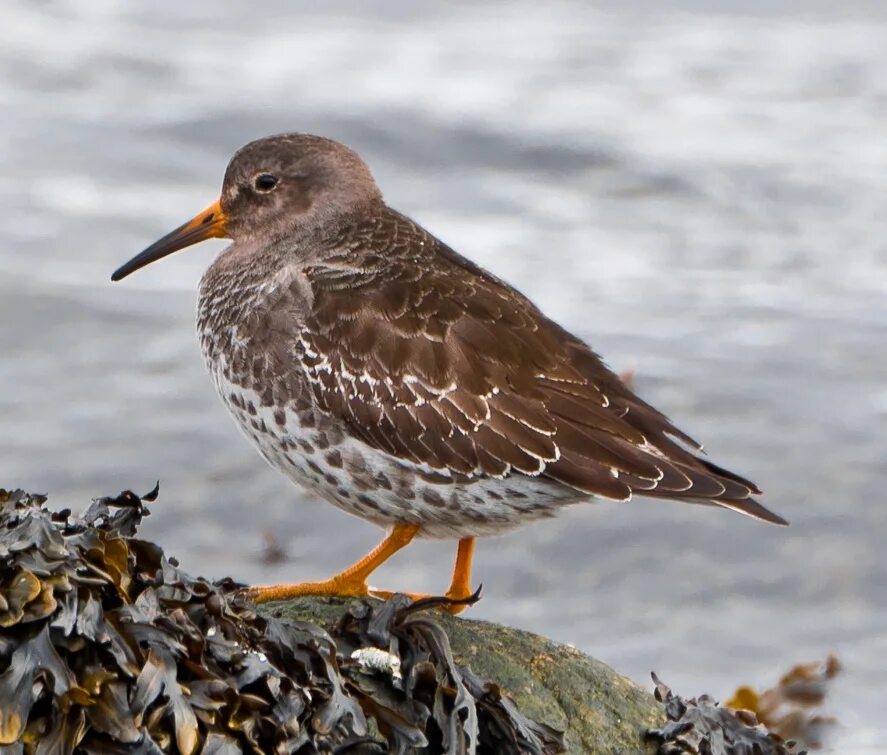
[702, 727]
[464, 713]
[107, 646]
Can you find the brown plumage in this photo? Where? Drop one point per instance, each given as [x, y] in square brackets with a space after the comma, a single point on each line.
[335, 324]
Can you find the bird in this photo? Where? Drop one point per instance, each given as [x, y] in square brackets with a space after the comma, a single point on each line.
[373, 364]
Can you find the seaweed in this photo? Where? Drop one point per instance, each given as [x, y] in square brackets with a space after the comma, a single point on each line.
[774, 722]
[702, 727]
[107, 646]
[787, 708]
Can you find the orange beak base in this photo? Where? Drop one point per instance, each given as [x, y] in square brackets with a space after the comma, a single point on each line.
[209, 224]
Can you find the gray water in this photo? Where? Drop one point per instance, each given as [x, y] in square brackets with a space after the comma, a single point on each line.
[699, 192]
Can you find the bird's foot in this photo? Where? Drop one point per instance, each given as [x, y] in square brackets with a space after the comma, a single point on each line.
[462, 598]
[454, 601]
[351, 583]
[335, 587]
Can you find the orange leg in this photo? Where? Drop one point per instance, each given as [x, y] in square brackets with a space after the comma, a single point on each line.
[350, 583]
[460, 585]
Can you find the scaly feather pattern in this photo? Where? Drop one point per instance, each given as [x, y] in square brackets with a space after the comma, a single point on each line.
[426, 357]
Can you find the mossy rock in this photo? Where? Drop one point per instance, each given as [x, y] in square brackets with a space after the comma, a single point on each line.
[599, 710]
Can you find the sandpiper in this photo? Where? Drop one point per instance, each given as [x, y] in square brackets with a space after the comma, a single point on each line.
[373, 364]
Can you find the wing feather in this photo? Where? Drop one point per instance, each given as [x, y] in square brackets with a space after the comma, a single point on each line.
[427, 357]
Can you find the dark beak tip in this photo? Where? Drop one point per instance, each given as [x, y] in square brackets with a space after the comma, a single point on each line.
[120, 273]
[208, 224]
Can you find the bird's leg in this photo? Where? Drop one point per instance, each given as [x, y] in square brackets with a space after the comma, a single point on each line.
[352, 582]
[460, 585]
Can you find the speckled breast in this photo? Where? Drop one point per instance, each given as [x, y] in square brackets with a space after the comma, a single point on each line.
[260, 381]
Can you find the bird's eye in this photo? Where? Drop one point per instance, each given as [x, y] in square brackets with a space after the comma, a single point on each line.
[264, 182]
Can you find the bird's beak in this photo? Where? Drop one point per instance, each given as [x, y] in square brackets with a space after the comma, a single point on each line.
[209, 224]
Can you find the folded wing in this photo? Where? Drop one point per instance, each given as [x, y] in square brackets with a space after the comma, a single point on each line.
[428, 357]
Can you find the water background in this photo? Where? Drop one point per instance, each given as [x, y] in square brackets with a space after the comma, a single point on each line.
[699, 190]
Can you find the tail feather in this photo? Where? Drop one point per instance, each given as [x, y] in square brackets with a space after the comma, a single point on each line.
[750, 507]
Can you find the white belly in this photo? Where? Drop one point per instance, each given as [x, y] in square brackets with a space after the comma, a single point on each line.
[316, 453]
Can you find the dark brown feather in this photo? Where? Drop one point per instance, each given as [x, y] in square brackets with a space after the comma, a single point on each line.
[457, 371]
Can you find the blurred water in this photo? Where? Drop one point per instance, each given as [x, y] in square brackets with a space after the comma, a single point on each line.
[698, 192]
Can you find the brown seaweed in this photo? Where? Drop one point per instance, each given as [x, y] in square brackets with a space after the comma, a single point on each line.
[702, 727]
[107, 646]
[788, 707]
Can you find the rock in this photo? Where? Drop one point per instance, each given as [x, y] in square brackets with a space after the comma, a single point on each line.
[598, 710]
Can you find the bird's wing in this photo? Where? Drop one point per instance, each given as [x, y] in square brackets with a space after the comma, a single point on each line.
[427, 357]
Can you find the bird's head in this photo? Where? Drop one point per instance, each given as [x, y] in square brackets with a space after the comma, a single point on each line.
[275, 187]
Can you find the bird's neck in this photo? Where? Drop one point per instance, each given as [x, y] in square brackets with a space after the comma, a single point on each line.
[232, 286]
[242, 271]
